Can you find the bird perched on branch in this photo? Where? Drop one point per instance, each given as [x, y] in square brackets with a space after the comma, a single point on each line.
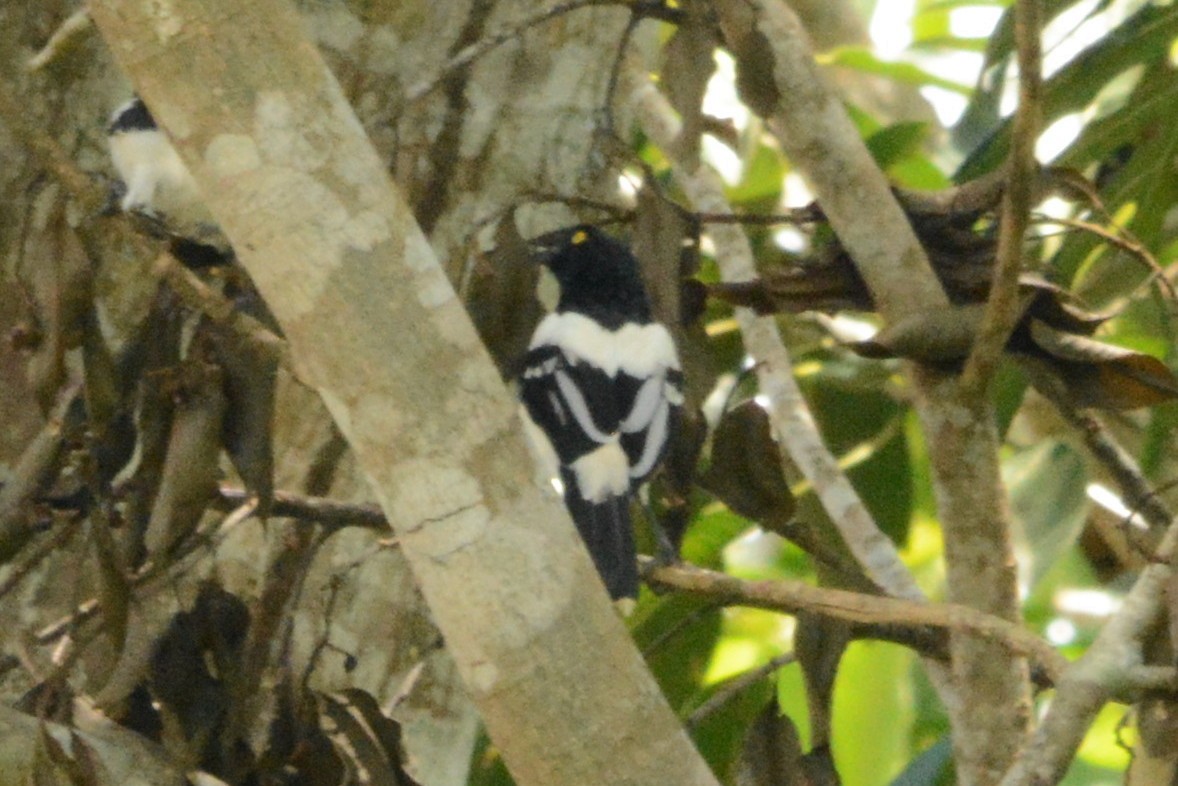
[158, 186]
[602, 392]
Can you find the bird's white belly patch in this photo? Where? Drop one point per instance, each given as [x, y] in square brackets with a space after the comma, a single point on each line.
[603, 473]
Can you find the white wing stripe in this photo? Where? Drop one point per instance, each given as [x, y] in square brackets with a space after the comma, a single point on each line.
[580, 409]
[656, 437]
[644, 406]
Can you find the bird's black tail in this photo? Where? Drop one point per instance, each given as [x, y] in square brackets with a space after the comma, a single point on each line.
[605, 527]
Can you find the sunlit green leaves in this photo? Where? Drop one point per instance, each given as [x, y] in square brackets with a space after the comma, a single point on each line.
[863, 59]
[1047, 494]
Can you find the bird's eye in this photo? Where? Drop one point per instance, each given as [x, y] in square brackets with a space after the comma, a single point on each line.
[579, 237]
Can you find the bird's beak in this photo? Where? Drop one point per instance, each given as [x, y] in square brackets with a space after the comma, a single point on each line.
[546, 246]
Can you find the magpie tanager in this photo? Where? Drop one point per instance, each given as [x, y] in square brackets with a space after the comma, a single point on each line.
[156, 184]
[602, 392]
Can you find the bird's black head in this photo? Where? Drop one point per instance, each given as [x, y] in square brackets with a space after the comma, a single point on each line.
[598, 275]
[131, 116]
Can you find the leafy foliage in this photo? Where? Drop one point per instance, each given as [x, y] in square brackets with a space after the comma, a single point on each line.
[193, 399]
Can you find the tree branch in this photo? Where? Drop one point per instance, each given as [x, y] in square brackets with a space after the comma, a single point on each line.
[1002, 307]
[813, 128]
[1106, 669]
[1139, 494]
[812, 125]
[330, 513]
[792, 421]
[792, 597]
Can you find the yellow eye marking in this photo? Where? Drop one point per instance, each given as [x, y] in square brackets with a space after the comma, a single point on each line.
[579, 237]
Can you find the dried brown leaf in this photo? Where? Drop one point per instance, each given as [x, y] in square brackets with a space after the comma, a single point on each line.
[754, 58]
[687, 67]
[746, 470]
[250, 383]
[1096, 374]
[771, 754]
[78, 764]
[500, 295]
[189, 481]
[936, 336]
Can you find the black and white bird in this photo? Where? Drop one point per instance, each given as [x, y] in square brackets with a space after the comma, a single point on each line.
[601, 391]
[156, 184]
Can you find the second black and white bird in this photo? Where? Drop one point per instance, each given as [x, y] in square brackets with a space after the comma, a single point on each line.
[602, 391]
[156, 184]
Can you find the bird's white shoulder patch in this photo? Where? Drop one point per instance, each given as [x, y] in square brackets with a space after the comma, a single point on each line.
[159, 184]
[580, 338]
[645, 350]
[145, 160]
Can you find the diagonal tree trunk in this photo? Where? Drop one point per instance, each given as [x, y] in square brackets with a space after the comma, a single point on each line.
[376, 329]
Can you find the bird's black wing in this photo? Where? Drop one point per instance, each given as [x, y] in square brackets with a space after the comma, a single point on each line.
[573, 403]
[576, 406]
[651, 405]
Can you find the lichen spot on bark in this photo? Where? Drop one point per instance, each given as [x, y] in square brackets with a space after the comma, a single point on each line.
[167, 22]
[430, 285]
[292, 138]
[229, 155]
[483, 676]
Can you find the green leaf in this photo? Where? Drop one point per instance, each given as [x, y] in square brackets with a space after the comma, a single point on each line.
[929, 767]
[762, 179]
[862, 59]
[1125, 147]
[852, 421]
[897, 142]
[919, 173]
[1143, 38]
[873, 713]
[1047, 495]
[980, 119]
[676, 635]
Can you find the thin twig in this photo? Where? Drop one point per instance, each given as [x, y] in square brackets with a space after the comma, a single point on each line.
[206, 532]
[793, 596]
[63, 38]
[34, 470]
[1130, 245]
[488, 43]
[798, 215]
[1002, 309]
[331, 513]
[200, 297]
[734, 687]
[1139, 494]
